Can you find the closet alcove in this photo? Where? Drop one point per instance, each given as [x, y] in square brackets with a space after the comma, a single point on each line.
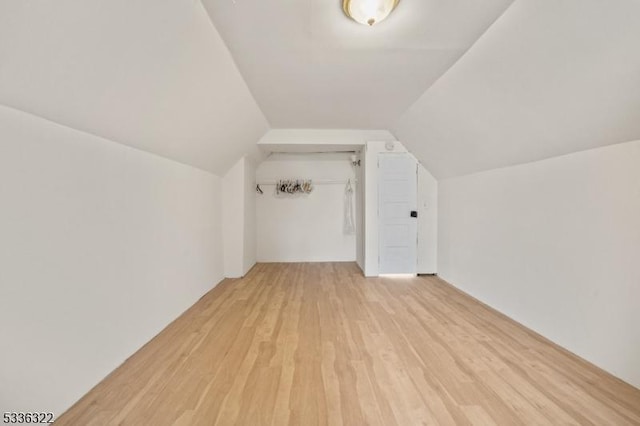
[309, 205]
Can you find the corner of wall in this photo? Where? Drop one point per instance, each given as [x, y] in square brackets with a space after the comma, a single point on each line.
[249, 242]
[238, 218]
[233, 226]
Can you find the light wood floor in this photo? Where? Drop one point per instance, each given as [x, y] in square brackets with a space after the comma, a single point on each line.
[307, 344]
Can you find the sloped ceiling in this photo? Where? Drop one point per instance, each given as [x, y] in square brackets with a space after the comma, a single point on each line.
[550, 77]
[151, 74]
[309, 66]
[541, 78]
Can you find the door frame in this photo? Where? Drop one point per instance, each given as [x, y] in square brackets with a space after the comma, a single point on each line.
[412, 207]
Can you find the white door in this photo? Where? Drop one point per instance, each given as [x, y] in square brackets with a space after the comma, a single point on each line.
[397, 202]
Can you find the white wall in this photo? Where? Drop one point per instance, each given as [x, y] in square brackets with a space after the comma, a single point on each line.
[304, 228]
[249, 250]
[555, 245]
[161, 79]
[233, 220]
[325, 140]
[238, 212]
[101, 247]
[359, 195]
[427, 222]
[547, 78]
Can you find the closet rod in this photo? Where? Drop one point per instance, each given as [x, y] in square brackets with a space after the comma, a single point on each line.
[347, 151]
[314, 182]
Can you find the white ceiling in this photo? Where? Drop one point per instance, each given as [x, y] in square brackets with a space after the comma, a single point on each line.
[309, 66]
[319, 140]
[153, 74]
[550, 77]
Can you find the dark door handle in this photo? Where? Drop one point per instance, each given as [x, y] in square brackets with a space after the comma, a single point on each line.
[414, 213]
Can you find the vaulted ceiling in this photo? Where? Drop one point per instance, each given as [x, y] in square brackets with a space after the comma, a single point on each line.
[466, 85]
[153, 74]
[309, 66]
[550, 77]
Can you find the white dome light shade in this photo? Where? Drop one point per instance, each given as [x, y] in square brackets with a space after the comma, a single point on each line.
[368, 12]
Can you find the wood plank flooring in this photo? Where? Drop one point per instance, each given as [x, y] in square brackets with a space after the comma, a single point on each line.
[318, 344]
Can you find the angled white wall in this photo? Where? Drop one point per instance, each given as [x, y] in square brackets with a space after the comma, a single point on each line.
[238, 218]
[153, 75]
[548, 78]
[555, 245]
[102, 246]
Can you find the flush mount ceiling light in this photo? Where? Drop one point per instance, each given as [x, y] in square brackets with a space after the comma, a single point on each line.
[368, 12]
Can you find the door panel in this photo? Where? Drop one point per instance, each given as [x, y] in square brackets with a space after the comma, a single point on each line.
[394, 210]
[397, 197]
